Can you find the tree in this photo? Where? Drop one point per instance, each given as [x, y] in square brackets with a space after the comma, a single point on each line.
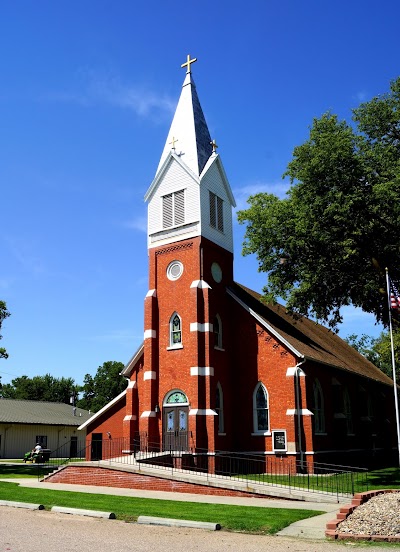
[3, 315]
[40, 388]
[378, 350]
[103, 387]
[328, 242]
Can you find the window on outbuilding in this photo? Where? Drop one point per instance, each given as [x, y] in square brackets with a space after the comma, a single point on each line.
[260, 409]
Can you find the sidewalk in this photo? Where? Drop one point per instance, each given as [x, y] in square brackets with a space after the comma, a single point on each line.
[312, 528]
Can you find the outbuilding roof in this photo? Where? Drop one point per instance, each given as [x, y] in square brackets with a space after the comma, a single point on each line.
[14, 411]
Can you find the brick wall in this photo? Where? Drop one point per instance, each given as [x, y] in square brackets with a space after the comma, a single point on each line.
[113, 478]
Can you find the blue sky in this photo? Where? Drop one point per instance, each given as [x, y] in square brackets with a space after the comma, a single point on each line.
[88, 91]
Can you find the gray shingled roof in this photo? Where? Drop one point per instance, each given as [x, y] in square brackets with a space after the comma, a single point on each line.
[38, 412]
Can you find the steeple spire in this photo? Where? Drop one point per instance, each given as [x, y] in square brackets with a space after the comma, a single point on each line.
[189, 128]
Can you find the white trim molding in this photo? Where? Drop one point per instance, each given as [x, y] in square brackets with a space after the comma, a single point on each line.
[131, 384]
[199, 327]
[292, 370]
[295, 412]
[201, 284]
[148, 414]
[151, 293]
[202, 412]
[149, 375]
[202, 371]
[129, 417]
[150, 334]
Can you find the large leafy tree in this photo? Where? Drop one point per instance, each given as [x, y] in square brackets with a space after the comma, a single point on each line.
[40, 388]
[328, 242]
[378, 350]
[103, 387]
[3, 315]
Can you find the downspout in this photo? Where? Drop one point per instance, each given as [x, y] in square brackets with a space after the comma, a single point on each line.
[298, 409]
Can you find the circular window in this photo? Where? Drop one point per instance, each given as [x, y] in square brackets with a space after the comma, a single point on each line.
[174, 270]
[216, 272]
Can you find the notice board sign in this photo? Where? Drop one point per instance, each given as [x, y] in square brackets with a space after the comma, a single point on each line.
[279, 442]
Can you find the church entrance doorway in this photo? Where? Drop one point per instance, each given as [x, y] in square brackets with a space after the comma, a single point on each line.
[175, 421]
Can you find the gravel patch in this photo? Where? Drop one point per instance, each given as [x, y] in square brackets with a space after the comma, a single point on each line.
[379, 516]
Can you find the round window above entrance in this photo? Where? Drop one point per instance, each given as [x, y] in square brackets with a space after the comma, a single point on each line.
[176, 397]
[174, 270]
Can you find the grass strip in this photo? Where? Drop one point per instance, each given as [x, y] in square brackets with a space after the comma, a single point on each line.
[249, 519]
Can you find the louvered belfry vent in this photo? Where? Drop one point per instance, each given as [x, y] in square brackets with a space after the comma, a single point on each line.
[173, 209]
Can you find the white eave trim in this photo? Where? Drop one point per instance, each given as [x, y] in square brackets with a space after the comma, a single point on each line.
[102, 410]
[265, 324]
[127, 370]
[172, 156]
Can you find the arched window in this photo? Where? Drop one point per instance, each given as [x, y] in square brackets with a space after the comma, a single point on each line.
[260, 409]
[219, 408]
[348, 412]
[217, 327]
[175, 330]
[319, 412]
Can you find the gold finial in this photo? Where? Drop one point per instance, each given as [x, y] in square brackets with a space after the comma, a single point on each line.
[188, 63]
[173, 142]
[214, 146]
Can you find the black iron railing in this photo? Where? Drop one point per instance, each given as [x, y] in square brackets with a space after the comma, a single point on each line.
[251, 469]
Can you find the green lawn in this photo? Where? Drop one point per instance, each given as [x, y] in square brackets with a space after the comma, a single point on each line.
[234, 518]
[343, 483]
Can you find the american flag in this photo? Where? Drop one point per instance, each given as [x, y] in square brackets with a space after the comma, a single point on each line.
[394, 297]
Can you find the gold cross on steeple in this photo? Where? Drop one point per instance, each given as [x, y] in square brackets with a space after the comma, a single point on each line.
[214, 146]
[173, 141]
[188, 63]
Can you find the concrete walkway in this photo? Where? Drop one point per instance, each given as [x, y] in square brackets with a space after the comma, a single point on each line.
[312, 528]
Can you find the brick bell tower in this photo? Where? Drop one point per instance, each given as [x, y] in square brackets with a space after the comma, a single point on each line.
[190, 248]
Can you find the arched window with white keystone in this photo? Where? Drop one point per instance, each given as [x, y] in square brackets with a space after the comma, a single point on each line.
[175, 330]
[260, 409]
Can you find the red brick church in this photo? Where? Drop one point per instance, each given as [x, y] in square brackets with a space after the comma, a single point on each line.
[218, 370]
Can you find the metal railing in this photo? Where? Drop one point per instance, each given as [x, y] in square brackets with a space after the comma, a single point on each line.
[251, 469]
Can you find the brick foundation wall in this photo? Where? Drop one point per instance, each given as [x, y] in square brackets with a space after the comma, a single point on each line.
[105, 477]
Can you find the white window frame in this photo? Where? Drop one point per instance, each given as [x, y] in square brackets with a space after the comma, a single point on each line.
[256, 429]
[172, 344]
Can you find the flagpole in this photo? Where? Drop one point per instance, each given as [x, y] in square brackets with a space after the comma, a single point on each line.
[396, 403]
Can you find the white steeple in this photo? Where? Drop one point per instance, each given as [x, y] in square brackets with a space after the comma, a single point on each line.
[190, 194]
[188, 136]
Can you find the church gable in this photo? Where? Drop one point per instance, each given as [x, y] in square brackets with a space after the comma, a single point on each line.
[173, 210]
[216, 207]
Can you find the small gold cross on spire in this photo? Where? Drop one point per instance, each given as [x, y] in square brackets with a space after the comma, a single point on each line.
[188, 63]
[173, 142]
[214, 146]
